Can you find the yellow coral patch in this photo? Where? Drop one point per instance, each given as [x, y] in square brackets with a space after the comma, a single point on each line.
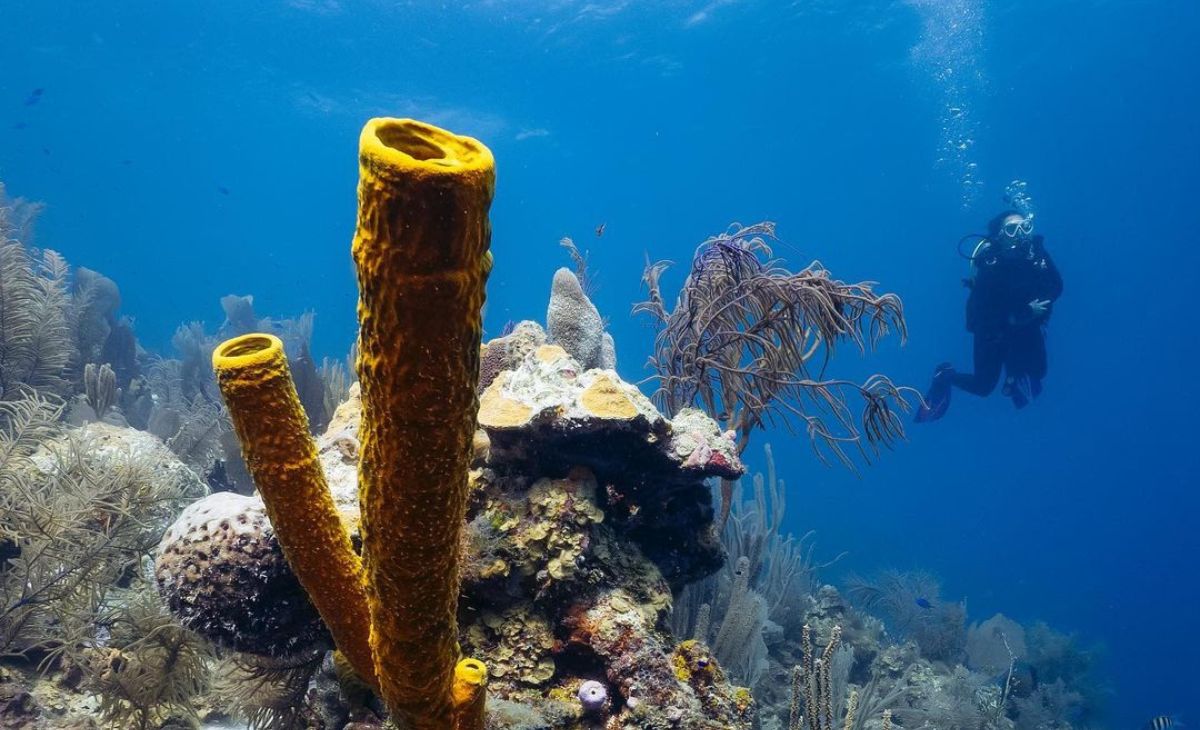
[550, 353]
[498, 411]
[605, 399]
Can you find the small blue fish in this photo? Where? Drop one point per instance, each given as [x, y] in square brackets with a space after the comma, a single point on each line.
[34, 97]
[924, 603]
[223, 190]
[1162, 722]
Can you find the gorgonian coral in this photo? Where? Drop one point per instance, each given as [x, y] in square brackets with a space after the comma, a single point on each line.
[751, 341]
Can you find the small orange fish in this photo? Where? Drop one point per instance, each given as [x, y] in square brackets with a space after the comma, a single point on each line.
[600, 230]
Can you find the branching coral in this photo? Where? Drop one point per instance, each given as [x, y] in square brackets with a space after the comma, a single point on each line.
[268, 692]
[81, 510]
[35, 341]
[150, 667]
[913, 608]
[816, 682]
[822, 698]
[750, 341]
[54, 321]
[100, 386]
[17, 216]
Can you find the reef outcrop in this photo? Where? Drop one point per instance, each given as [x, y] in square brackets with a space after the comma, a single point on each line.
[586, 506]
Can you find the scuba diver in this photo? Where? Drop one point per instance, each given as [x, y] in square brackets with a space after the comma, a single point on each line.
[1014, 284]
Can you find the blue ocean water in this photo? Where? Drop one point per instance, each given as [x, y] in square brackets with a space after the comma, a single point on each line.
[191, 150]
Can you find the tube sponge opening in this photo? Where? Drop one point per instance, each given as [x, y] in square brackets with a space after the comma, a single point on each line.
[469, 694]
[406, 145]
[246, 349]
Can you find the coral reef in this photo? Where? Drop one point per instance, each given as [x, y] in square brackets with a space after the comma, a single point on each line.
[566, 559]
[520, 503]
[82, 508]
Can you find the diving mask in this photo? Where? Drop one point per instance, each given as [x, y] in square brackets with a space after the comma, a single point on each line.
[1018, 228]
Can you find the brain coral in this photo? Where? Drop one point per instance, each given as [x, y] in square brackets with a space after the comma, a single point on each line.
[223, 575]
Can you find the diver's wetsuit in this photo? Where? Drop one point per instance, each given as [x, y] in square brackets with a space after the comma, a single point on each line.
[1007, 333]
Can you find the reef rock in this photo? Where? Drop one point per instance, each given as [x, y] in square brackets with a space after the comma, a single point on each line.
[550, 412]
[509, 351]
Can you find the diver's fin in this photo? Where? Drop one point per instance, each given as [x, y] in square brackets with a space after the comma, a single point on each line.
[937, 399]
[1017, 390]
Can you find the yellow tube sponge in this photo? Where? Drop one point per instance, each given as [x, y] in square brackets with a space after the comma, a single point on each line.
[421, 253]
[253, 374]
[469, 694]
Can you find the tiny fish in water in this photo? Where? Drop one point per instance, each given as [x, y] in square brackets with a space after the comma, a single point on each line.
[20, 125]
[924, 603]
[1162, 722]
[34, 97]
[600, 230]
[223, 190]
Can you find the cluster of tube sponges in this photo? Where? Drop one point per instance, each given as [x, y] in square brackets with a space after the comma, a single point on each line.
[421, 254]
